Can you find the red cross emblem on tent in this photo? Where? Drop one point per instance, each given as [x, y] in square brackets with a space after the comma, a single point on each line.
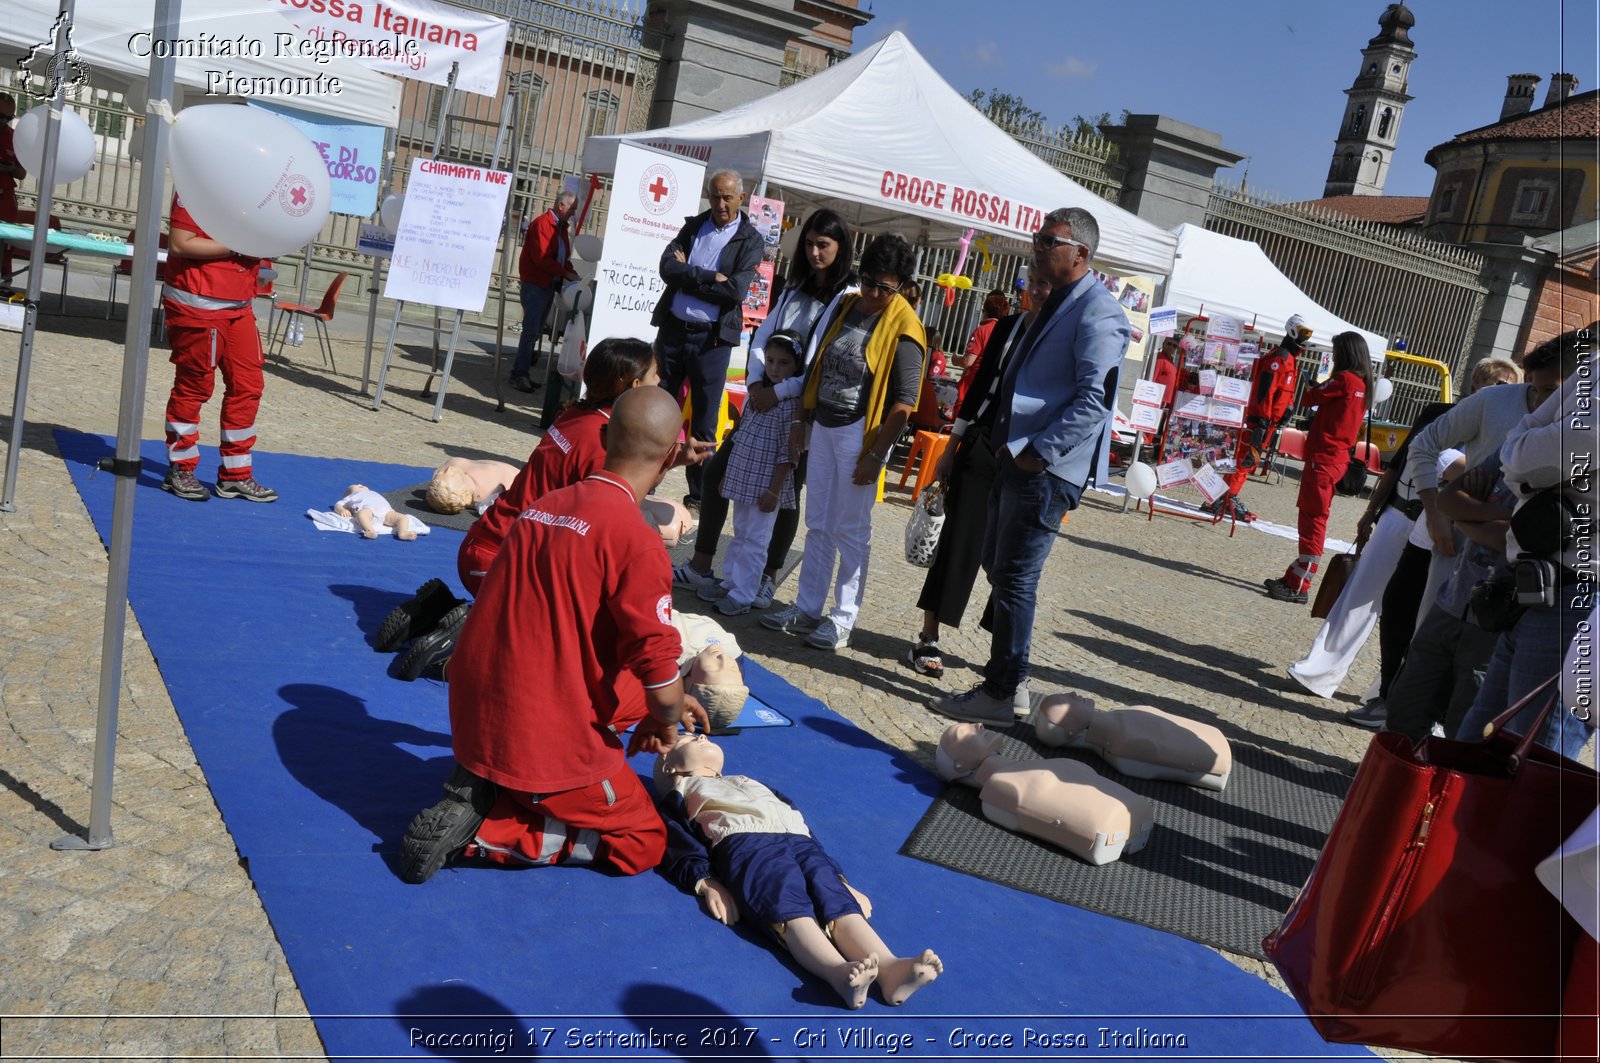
[658, 189]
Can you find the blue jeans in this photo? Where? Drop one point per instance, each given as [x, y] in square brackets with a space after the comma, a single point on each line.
[694, 353]
[1025, 511]
[1531, 652]
[535, 308]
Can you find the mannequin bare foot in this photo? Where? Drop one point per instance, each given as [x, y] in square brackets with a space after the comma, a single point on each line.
[401, 525]
[852, 980]
[902, 976]
[861, 899]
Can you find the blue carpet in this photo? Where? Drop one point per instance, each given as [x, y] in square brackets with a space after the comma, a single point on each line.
[318, 757]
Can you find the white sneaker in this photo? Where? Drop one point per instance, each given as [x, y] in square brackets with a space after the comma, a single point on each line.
[829, 636]
[711, 592]
[686, 575]
[791, 619]
[765, 593]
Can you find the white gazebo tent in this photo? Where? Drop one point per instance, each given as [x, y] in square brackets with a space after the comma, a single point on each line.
[886, 141]
[1226, 275]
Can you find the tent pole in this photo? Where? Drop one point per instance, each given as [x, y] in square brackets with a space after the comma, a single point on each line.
[130, 419]
[377, 264]
[41, 226]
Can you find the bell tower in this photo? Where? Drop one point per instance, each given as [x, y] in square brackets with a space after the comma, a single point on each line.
[1375, 101]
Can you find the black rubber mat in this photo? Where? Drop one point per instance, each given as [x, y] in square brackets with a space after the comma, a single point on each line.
[1219, 868]
[413, 500]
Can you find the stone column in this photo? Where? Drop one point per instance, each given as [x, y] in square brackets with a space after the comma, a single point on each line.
[718, 55]
[1171, 167]
[1512, 273]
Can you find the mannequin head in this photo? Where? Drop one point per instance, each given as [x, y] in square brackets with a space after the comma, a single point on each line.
[450, 490]
[715, 681]
[353, 488]
[962, 748]
[690, 755]
[1296, 333]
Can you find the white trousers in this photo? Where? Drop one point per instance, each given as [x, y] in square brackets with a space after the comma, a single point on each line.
[838, 526]
[1355, 612]
[746, 560]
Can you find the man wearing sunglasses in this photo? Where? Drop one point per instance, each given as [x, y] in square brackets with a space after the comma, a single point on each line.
[1054, 401]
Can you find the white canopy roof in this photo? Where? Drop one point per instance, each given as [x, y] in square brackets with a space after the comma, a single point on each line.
[112, 37]
[1225, 275]
[888, 143]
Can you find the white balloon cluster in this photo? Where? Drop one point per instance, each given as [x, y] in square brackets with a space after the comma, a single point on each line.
[251, 180]
[74, 146]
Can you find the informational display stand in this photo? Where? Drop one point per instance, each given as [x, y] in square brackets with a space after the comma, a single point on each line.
[1199, 441]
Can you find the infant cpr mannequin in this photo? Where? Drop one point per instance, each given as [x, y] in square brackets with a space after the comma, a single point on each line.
[669, 516]
[462, 482]
[743, 848]
[1140, 741]
[370, 510]
[715, 681]
[1064, 802]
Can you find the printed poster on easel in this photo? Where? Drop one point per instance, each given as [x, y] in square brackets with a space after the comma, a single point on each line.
[1202, 433]
[767, 216]
[449, 233]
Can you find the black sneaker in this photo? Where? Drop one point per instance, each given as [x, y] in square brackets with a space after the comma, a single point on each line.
[246, 489]
[522, 382]
[415, 616]
[1241, 513]
[439, 834]
[692, 504]
[1373, 715]
[436, 646]
[1277, 588]
[182, 482]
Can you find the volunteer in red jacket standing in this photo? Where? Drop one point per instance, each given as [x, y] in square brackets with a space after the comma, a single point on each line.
[546, 261]
[1272, 381]
[207, 299]
[1341, 402]
[11, 172]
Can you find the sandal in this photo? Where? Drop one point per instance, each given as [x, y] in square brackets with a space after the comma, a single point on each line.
[924, 657]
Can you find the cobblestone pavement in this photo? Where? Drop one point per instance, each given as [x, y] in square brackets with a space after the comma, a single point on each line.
[142, 949]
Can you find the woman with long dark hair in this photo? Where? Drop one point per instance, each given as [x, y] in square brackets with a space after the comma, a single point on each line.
[819, 274]
[1341, 403]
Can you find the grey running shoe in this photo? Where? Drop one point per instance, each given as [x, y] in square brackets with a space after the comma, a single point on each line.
[792, 620]
[764, 593]
[246, 489]
[182, 482]
[976, 706]
[829, 636]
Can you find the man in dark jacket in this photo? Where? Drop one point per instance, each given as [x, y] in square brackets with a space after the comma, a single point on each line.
[708, 268]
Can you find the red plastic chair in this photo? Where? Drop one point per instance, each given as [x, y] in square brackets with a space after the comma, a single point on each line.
[320, 315]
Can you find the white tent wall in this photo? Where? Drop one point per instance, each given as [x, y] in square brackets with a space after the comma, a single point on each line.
[856, 136]
[111, 36]
[1226, 275]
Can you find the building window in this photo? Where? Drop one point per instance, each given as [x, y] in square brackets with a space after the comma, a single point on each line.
[1358, 119]
[599, 113]
[532, 89]
[1372, 70]
[1447, 202]
[1384, 118]
[1533, 201]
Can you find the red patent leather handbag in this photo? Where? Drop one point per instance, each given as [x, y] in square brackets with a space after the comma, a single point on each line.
[1422, 925]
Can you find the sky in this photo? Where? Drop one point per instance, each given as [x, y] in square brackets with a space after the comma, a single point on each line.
[1268, 75]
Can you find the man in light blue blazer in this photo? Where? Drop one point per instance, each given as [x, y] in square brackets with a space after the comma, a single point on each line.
[1055, 397]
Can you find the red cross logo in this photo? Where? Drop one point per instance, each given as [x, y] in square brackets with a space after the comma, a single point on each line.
[298, 195]
[658, 189]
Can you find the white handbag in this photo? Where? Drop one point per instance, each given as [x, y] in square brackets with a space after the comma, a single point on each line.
[922, 530]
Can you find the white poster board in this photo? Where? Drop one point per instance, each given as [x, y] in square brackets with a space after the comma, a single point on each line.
[449, 231]
[651, 195]
[417, 39]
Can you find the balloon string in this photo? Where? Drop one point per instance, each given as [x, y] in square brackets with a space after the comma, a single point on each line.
[161, 109]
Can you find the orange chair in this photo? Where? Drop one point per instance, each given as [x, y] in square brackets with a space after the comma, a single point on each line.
[320, 315]
[51, 258]
[929, 446]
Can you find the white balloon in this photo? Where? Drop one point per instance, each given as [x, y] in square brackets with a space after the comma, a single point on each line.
[1141, 480]
[389, 213]
[1382, 390]
[75, 146]
[577, 297]
[252, 181]
[587, 247]
[584, 268]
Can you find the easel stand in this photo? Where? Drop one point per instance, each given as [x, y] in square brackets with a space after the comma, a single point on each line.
[1202, 517]
[431, 372]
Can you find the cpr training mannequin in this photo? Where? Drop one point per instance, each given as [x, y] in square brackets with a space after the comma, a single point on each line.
[1062, 801]
[370, 511]
[669, 516]
[1140, 741]
[716, 682]
[744, 849]
[463, 482]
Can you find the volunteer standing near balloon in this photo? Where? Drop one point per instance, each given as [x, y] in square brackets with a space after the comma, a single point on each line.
[11, 172]
[260, 188]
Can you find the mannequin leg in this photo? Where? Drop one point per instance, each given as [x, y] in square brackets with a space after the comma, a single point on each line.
[898, 976]
[810, 947]
[366, 523]
[401, 525]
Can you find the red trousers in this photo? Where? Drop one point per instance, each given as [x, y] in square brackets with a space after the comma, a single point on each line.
[613, 821]
[233, 346]
[473, 561]
[1315, 502]
[1248, 456]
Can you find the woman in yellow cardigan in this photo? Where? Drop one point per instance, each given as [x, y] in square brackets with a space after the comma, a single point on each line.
[862, 384]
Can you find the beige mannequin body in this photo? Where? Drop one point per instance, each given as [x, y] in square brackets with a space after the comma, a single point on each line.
[463, 482]
[1061, 801]
[370, 510]
[847, 953]
[1140, 741]
[715, 681]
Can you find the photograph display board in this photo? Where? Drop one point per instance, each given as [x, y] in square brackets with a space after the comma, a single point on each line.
[652, 194]
[1202, 435]
[449, 231]
[767, 216]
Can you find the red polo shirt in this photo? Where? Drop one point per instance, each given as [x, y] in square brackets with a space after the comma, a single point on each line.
[577, 606]
[1341, 405]
[570, 450]
[231, 279]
